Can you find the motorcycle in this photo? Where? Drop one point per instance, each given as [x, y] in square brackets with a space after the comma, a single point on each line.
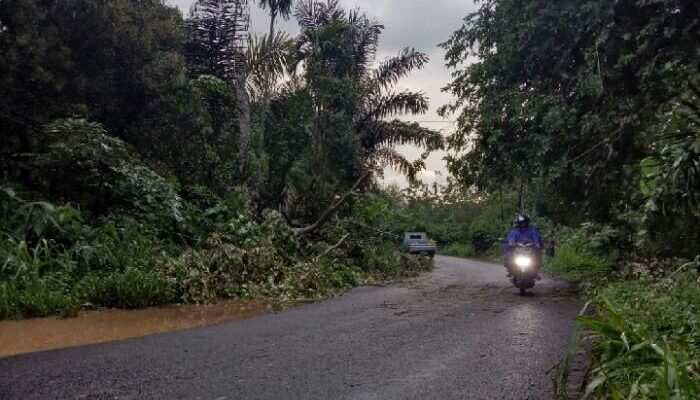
[525, 263]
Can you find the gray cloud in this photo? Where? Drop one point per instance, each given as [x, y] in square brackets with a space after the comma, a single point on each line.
[421, 24]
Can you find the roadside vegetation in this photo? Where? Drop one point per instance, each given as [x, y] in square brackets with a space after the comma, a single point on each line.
[55, 261]
[588, 113]
[149, 158]
[643, 337]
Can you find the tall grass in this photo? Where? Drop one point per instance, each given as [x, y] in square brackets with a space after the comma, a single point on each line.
[644, 340]
[583, 256]
[576, 263]
[463, 250]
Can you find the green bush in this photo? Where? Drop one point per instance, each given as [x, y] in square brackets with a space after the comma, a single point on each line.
[33, 279]
[583, 254]
[313, 280]
[577, 263]
[385, 260]
[77, 161]
[224, 271]
[35, 298]
[54, 260]
[465, 250]
[644, 340]
[130, 288]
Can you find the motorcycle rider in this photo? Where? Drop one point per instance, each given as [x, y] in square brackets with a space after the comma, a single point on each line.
[522, 233]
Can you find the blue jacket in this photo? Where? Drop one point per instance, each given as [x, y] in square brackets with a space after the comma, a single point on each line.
[517, 235]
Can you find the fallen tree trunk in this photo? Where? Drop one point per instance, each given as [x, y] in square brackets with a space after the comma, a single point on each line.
[333, 208]
[371, 228]
[335, 246]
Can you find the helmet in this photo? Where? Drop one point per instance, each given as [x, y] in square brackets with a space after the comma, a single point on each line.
[522, 219]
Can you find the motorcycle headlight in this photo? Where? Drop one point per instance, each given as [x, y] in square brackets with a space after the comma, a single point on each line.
[523, 261]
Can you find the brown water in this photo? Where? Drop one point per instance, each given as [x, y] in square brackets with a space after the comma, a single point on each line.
[25, 336]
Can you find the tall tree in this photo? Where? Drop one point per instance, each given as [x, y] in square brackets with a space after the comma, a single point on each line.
[343, 45]
[267, 61]
[217, 42]
[282, 8]
[588, 96]
[116, 63]
[216, 35]
[349, 103]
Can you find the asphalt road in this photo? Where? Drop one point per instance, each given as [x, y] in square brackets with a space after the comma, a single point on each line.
[459, 332]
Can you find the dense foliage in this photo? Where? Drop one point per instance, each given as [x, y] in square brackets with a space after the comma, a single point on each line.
[149, 158]
[142, 153]
[597, 100]
[643, 339]
[56, 260]
[588, 110]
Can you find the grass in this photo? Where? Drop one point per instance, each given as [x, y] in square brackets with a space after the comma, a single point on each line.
[644, 339]
[464, 250]
[577, 264]
[644, 342]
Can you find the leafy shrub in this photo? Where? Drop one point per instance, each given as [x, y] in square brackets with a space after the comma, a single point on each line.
[32, 279]
[36, 220]
[645, 338]
[143, 192]
[77, 161]
[486, 232]
[575, 262]
[387, 260]
[34, 298]
[646, 341]
[223, 271]
[54, 260]
[208, 213]
[313, 279]
[584, 254]
[459, 250]
[130, 288]
[48, 254]
[121, 243]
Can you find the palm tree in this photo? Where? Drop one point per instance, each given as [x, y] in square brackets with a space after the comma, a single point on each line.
[267, 61]
[345, 44]
[281, 8]
[217, 31]
[380, 136]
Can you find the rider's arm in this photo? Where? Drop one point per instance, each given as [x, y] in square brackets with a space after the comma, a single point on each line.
[511, 239]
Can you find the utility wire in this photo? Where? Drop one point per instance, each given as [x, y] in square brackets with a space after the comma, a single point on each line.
[428, 121]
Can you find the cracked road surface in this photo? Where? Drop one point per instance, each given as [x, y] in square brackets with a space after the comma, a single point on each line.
[459, 332]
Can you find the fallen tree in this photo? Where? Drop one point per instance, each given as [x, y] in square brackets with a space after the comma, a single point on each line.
[330, 211]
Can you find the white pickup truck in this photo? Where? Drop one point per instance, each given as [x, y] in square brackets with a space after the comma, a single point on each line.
[418, 243]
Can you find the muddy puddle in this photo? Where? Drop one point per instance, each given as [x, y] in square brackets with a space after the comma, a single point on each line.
[89, 327]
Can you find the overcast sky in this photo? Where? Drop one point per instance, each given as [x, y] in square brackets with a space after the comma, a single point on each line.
[417, 23]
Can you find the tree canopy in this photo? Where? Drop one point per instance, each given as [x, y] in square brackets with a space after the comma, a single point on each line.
[591, 98]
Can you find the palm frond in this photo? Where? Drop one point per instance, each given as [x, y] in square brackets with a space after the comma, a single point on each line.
[389, 157]
[312, 14]
[391, 70]
[382, 106]
[267, 62]
[397, 132]
[336, 36]
[364, 37]
[282, 7]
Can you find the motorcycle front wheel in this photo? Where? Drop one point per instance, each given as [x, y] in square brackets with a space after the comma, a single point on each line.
[523, 288]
